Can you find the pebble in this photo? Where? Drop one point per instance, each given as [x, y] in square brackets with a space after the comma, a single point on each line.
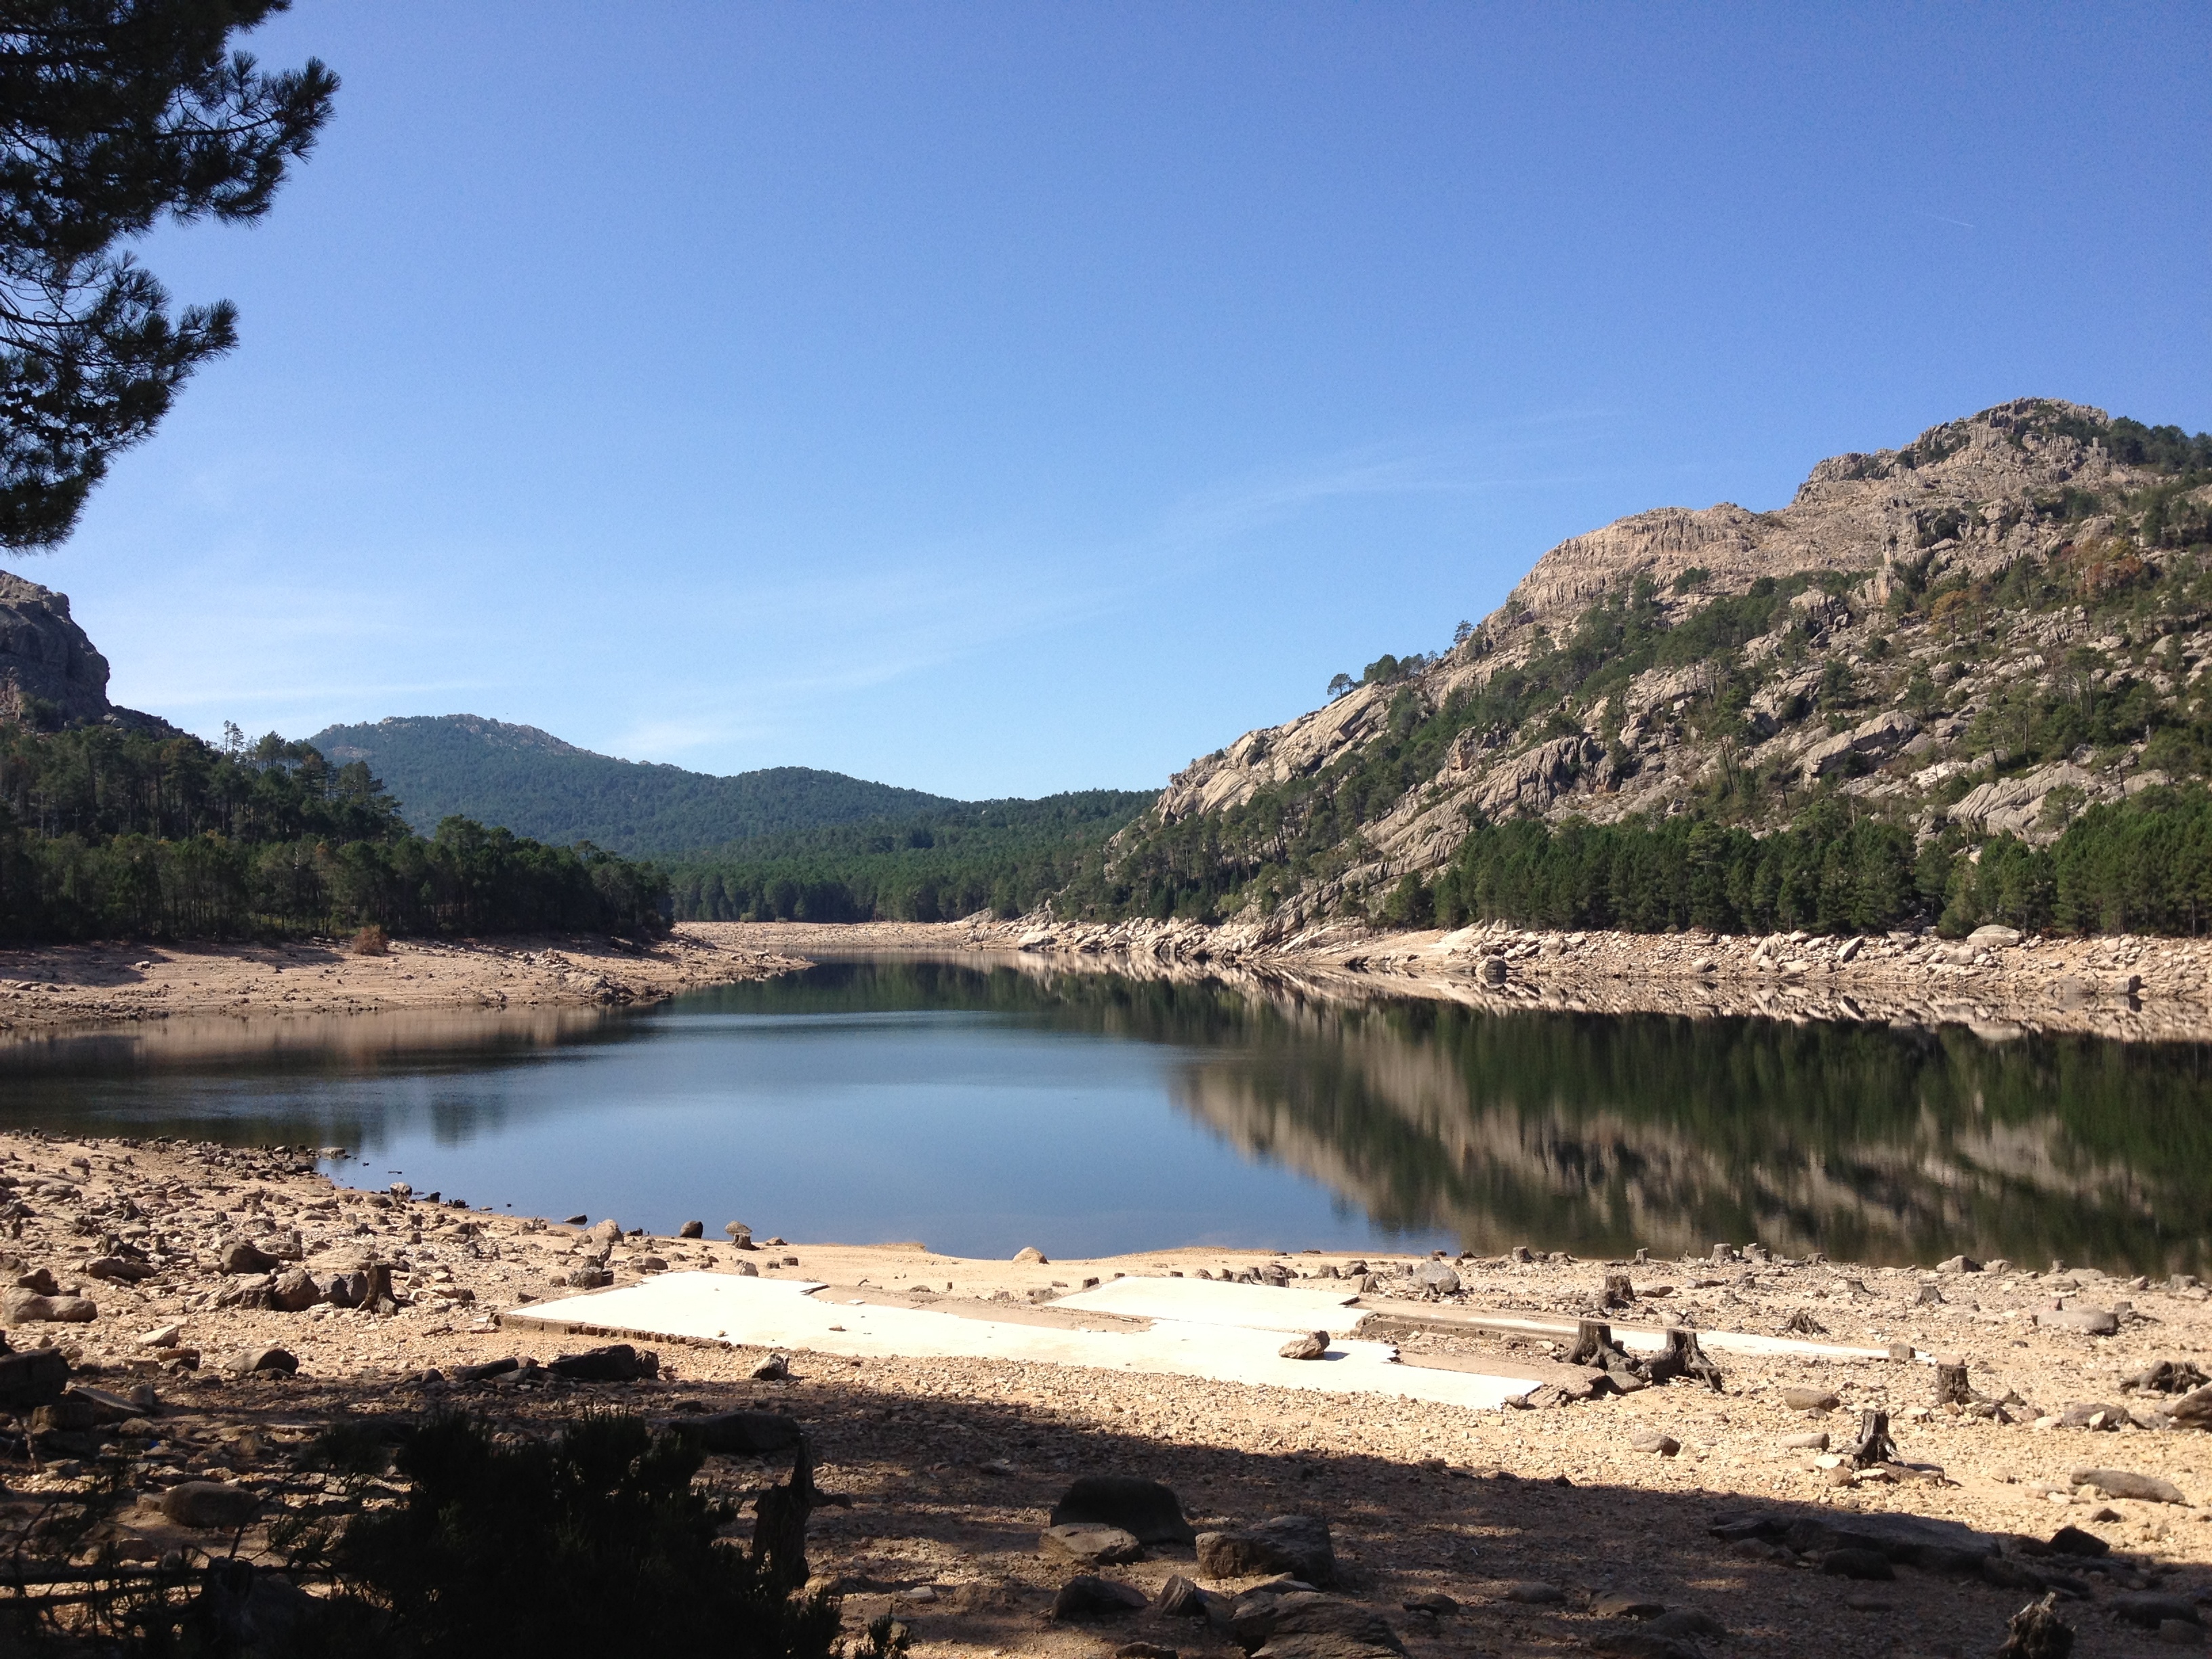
[209, 1506]
[1809, 1399]
[1089, 1545]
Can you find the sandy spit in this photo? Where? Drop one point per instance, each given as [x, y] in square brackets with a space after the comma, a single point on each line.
[45, 987]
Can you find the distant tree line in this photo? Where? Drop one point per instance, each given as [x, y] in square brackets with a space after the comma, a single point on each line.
[2140, 866]
[1006, 857]
[1827, 875]
[110, 834]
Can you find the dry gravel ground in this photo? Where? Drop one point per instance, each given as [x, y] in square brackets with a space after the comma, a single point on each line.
[950, 1467]
[93, 984]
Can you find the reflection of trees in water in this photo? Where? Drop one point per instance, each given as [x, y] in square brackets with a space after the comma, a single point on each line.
[1585, 1132]
[1602, 1132]
[240, 1080]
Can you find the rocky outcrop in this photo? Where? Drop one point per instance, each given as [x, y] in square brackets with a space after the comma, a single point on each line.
[1884, 734]
[1543, 775]
[2022, 805]
[50, 676]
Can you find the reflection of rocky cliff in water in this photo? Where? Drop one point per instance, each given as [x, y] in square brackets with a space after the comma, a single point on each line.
[1600, 1135]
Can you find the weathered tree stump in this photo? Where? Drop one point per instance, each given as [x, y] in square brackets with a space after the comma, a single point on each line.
[2036, 1632]
[1684, 1359]
[1874, 1446]
[1593, 1339]
[780, 1517]
[1952, 1386]
[380, 1297]
[1594, 1345]
[1804, 1324]
[1618, 1292]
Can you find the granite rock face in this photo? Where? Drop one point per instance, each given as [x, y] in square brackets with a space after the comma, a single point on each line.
[1858, 684]
[51, 675]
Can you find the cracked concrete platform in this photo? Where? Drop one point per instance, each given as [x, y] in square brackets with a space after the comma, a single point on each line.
[788, 1313]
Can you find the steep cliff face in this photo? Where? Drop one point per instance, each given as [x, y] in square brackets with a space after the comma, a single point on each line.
[1867, 639]
[50, 674]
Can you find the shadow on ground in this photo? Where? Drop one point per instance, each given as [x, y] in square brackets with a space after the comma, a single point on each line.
[947, 1497]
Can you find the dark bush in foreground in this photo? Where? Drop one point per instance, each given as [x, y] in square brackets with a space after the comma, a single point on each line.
[594, 1542]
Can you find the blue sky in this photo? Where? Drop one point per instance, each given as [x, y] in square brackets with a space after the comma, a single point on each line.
[997, 399]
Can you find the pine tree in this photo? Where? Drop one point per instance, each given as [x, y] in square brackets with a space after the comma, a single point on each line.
[115, 115]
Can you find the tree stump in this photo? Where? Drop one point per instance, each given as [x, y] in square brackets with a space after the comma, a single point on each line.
[1874, 1446]
[380, 1297]
[780, 1517]
[1684, 1359]
[2036, 1632]
[1593, 1339]
[1618, 1292]
[1952, 1388]
[1594, 1345]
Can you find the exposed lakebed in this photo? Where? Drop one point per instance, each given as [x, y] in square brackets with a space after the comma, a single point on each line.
[978, 1106]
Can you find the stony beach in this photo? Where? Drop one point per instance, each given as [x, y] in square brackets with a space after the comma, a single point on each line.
[2001, 983]
[196, 1293]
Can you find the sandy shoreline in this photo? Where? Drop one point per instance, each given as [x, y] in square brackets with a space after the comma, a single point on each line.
[952, 1465]
[2126, 987]
[46, 987]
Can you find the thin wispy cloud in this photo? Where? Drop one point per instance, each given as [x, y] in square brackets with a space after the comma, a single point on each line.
[1459, 462]
[921, 609]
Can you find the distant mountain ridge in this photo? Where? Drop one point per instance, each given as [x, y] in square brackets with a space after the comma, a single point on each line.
[537, 784]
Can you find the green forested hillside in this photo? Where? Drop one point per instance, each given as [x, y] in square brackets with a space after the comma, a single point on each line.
[533, 783]
[784, 844]
[108, 834]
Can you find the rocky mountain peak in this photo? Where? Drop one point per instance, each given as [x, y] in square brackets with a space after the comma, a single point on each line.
[1854, 511]
[1916, 625]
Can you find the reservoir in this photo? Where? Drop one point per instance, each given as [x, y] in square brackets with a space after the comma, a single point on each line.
[978, 1105]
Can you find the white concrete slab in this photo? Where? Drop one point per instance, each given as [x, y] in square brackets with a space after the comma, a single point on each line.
[1212, 1302]
[776, 1313]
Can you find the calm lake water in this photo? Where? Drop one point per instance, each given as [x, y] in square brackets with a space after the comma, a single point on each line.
[980, 1108]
